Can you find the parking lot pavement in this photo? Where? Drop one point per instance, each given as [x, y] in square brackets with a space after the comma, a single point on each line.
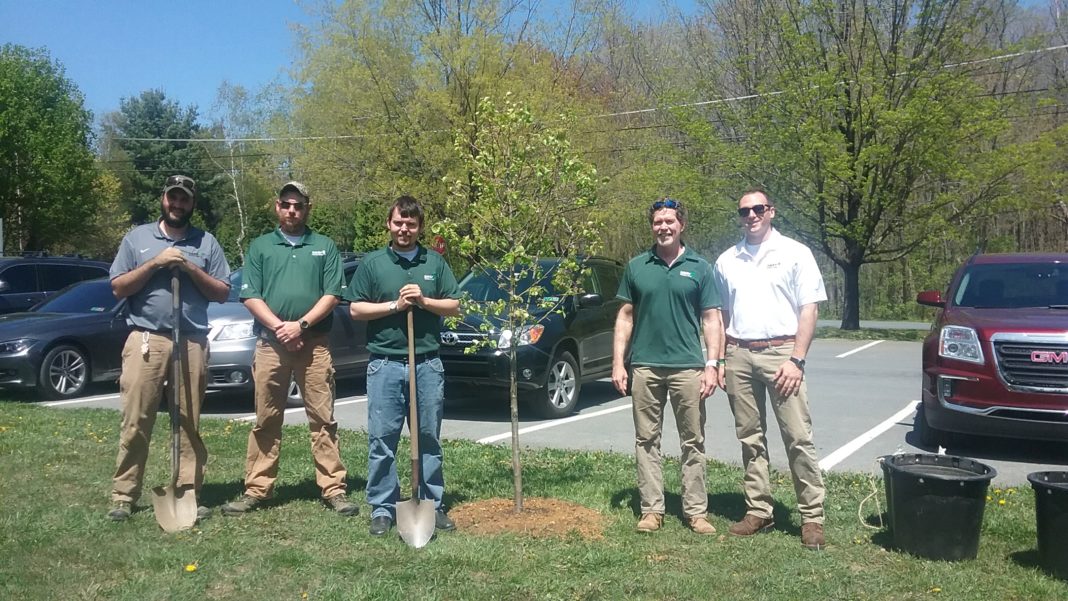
[861, 396]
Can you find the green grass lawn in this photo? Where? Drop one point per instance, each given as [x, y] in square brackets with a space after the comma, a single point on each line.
[55, 469]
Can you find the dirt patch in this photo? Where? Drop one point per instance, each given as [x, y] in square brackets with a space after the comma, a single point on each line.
[540, 518]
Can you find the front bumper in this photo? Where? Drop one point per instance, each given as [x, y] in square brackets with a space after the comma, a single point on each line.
[491, 367]
[19, 370]
[230, 364]
[978, 403]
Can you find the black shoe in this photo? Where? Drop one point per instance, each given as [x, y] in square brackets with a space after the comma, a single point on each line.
[380, 525]
[443, 522]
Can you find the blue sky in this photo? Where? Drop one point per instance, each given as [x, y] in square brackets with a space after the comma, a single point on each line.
[113, 49]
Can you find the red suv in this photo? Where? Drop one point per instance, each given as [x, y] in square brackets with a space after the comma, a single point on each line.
[996, 360]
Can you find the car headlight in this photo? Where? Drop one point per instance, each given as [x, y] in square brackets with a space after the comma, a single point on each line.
[235, 331]
[958, 342]
[527, 335]
[14, 347]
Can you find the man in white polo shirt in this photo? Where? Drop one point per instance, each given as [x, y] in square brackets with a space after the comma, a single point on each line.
[770, 286]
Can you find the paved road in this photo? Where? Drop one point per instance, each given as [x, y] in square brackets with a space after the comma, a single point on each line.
[862, 395]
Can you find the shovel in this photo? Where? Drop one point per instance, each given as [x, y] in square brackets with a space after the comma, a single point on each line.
[415, 518]
[175, 508]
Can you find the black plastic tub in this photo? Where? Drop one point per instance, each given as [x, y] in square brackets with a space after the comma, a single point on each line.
[1051, 516]
[935, 504]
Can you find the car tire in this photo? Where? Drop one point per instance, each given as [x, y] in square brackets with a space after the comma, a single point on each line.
[64, 372]
[560, 394]
[929, 436]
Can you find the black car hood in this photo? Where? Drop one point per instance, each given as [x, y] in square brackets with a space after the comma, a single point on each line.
[28, 325]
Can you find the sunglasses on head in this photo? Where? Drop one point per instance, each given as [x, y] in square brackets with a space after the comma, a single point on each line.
[667, 203]
[757, 210]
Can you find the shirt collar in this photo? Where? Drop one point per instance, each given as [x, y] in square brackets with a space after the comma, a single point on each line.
[420, 254]
[191, 231]
[687, 255]
[739, 249]
[281, 238]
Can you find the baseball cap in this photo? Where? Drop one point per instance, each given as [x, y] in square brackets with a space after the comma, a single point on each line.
[299, 187]
[180, 181]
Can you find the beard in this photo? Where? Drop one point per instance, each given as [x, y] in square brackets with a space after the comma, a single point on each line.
[177, 223]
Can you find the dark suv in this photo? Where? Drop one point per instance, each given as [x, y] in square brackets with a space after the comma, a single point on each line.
[28, 280]
[996, 360]
[554, 359]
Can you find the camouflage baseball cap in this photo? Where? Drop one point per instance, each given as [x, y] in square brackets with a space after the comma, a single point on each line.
[299, 187]
[186, 184]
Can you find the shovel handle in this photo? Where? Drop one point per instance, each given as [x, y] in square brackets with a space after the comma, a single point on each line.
[176, 377]
[413, 413]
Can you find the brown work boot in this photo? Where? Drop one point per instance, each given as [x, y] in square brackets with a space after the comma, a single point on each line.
[650, 522]
[751, 525]
[812, 536]
[701, 525]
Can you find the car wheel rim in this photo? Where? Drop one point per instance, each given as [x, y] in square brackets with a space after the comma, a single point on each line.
[66, 373]
[561, 387]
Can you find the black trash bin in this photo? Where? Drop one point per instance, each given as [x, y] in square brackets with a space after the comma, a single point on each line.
[1051, 515]
[935, 504]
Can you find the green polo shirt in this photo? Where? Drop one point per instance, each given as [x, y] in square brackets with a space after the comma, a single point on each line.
[291, 279]
[668, 302]
[379, 279]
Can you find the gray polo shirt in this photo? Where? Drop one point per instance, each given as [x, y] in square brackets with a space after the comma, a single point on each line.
[150, 308]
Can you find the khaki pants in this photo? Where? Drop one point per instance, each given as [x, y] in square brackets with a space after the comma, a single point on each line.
[313, 369]
[750, 380]
[652, 388]
[141, 387]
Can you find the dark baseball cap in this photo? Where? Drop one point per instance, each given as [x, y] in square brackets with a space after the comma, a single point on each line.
[186, 184]
[299, 187]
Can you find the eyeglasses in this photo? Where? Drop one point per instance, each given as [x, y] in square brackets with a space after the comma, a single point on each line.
[667, 203]
[298, 206]
[757, 210]
[179, 180]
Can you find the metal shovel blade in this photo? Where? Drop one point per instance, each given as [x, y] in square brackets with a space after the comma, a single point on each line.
[176, 508]
[415, 521]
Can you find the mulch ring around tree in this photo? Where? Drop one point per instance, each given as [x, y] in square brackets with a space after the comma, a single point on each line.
[540, 518]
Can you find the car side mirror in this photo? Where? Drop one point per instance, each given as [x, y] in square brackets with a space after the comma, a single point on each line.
[590, 300]
[931, 298]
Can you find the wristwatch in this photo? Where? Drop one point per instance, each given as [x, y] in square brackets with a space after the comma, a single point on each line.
[304, 324]
[392, 306]
[800, 363]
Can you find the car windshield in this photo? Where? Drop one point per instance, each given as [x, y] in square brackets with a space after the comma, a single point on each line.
[92, 296]
[1013, 285]
[485, 286]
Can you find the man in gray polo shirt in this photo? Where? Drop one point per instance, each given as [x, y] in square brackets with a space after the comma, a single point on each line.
[141, 273]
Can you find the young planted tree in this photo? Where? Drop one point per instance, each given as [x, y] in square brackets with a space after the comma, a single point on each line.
[526, 197]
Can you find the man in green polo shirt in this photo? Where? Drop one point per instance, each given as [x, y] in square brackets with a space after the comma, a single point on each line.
[670, 302]
[403, 277]
[291, 283]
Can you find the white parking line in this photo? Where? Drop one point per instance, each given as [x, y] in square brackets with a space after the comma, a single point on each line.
[857, 350]
[553, 424]
[88, 399]
[854, 445]
[349, 401]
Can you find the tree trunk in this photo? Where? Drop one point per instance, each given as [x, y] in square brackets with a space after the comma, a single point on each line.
[517, 467]
[851, 310]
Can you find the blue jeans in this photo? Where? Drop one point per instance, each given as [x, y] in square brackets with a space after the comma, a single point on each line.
[387, 410]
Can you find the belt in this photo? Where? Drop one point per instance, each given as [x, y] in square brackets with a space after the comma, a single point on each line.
[421, 357]
[762, 344]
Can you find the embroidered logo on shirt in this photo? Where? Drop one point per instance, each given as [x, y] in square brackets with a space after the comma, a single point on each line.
[318, 253]
[686, 274]
[143, 250]
[244, 286]
[428, 277]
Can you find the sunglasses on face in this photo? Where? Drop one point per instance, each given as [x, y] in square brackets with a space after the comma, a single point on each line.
[298, 206]
[757, 210]
[667, 203]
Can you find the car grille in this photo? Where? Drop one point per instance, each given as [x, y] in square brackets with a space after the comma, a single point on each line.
[461, 339]
[1033, 364]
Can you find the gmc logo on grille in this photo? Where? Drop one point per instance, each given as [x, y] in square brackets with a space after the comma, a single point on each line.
[1049, 357]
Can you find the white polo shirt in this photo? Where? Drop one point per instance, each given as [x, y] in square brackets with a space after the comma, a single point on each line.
[764, 292]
